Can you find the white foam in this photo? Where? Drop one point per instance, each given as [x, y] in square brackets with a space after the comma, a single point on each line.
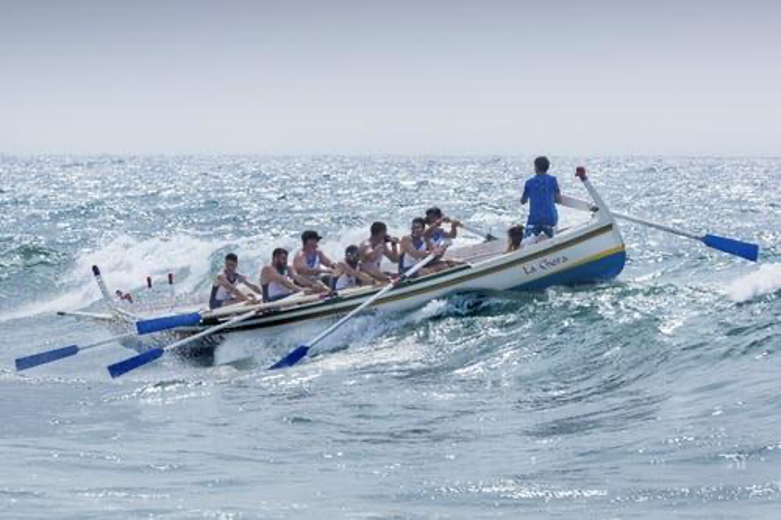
[125, 262]
[765, 280]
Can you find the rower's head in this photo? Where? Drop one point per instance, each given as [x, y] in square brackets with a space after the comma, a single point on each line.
[351, 256]
[378, 231]
[541, 164]
[418, 227]
[514, 237]
[309, 240]
[231, 263]
[279, 257]
[433, 215]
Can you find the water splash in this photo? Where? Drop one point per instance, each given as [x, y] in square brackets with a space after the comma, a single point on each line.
[765, 280]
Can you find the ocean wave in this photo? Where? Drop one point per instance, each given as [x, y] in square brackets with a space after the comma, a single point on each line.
[765, 280]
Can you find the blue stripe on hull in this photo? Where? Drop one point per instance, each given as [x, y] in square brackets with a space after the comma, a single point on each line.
[598, 270]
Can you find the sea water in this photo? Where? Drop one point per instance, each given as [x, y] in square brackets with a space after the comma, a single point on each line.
[655, 395]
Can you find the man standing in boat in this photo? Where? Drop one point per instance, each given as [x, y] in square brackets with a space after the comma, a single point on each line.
[225, 288]
[308, 261]
[379, 245]
[542, 193]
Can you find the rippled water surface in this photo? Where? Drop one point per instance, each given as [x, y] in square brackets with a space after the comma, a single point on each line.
[653, 396]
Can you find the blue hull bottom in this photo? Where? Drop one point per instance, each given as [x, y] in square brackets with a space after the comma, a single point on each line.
[599, 270]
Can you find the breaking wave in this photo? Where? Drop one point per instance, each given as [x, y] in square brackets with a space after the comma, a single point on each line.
[765, 280]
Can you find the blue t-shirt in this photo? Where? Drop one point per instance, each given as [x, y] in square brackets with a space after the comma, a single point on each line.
[541, 192]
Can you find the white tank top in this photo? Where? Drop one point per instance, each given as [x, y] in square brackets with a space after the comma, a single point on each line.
[312, 263]
[409, 260]
[345, 281]
[221, 293]
[276, 290]
[438, 237]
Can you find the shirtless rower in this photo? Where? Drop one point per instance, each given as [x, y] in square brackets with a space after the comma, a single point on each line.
[276, 279]
[225, 287]
[379, 245]
[308, 261]
[414, 248]
[348, 272]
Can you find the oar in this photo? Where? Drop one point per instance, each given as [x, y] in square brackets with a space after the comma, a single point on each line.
[298, 354]
[117, 369]
[488, 237]
[194, 318]
[732, 246]
[34, 360]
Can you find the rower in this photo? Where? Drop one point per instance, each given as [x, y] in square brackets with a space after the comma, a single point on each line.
[348, 272]
[542, 192]
[276, 279]
[514, 238]
[225, 287]
[435, 233]
[308, 261]
[379, 245]
[414, 248]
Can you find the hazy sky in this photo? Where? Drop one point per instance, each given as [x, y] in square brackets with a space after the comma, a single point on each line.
[419, 77]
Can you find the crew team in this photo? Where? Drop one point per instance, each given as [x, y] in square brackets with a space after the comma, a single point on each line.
[313, 272]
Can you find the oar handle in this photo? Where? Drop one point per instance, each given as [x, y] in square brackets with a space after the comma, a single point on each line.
[487, 236]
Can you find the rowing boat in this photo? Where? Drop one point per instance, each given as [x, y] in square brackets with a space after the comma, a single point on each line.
[590, 252]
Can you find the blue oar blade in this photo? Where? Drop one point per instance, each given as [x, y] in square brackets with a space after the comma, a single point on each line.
[732, 246]
[123, 367]
[167, 322]
[23, 363]
[291, 359]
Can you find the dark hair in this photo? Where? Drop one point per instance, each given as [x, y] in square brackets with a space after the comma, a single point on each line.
[309, 235]
[419, 220]
[351, 250]
[232, 257]
[278, 251]
[541, 164]
[434, 212]
[377, 228]
[515, 234]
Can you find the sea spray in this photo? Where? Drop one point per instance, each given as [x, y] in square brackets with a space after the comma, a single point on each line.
[765, 280]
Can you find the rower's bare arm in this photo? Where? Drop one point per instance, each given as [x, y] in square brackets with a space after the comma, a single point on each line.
[409, 249]
[365, 279]
[327, 261]
[251, 285]
[301, 267]
[232, 290]
[375, 273]
[393, 254]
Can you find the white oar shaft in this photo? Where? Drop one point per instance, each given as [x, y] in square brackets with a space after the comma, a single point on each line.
[108, 340]
[654, 225]
[474, 230]
[579, 204]
[211, 330]
[327, 332]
